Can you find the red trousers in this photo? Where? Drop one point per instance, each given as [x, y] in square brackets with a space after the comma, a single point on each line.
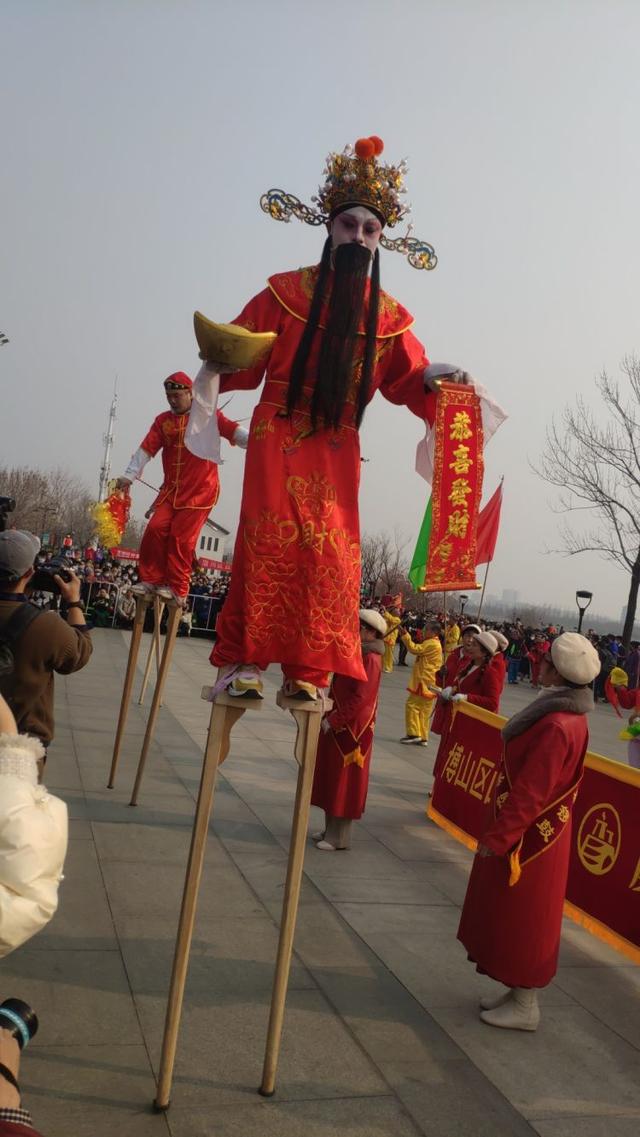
[168, 545]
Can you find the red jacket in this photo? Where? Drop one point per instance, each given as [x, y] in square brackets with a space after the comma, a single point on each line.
[189, 482]
[482, 686]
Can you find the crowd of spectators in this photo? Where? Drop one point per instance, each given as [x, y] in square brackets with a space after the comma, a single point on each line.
[528, 645]
[108, 598]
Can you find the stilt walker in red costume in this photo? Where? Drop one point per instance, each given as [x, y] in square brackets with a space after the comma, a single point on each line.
[189, 491]
[294, 594]
[335, 338]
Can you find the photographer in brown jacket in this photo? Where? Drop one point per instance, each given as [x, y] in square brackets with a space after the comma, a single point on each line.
[36, 644]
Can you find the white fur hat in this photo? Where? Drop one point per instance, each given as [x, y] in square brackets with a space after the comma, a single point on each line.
[575, 658]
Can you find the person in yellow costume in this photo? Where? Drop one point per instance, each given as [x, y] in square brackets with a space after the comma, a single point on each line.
[420, 703]
[391, 614]
[451, 636]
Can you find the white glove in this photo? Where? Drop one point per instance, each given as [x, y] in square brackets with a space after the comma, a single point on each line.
[449, 371]
[324, 723]
[458, 698]
[446, 693]
[241, 437]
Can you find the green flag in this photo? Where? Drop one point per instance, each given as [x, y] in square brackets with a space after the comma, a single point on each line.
[419, 562]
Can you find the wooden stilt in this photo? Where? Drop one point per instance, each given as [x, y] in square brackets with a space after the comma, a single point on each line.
[225, 712]
[142, 604]
[169, 644]
[308, 718]
[154, 647]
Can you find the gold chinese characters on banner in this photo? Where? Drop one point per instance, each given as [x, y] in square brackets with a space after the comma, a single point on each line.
[456, 490]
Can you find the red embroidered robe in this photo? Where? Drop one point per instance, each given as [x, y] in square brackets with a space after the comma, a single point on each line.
[294, 594]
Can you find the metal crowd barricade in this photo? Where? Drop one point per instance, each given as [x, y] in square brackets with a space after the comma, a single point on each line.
[94, 588]
[201, 623]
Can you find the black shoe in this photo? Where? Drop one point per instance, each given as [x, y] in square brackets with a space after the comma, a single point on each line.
[408, 738]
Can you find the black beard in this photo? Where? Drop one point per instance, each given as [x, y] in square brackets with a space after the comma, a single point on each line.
[335, 364]
[336, 360]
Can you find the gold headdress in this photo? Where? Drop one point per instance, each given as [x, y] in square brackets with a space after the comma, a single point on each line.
[356, 177]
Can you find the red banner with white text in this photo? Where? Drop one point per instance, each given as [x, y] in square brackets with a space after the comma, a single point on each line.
[603, 889]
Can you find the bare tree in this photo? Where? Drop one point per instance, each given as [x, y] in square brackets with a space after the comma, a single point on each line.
[384, 565]
[132, 535]
[31, 493]
[593, 458]
[48, 501]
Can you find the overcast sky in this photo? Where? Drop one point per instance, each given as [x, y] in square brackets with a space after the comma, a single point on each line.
[138, 135]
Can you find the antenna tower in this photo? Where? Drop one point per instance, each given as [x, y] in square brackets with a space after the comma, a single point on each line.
[105, 469]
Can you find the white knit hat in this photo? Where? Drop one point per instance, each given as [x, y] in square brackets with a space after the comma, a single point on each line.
[374, 620]
[575, 658]
[501, 640]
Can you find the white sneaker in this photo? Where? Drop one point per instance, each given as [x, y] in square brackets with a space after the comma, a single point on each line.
[242, 680]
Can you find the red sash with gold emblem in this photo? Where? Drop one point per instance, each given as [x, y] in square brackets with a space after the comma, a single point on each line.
[547, 828]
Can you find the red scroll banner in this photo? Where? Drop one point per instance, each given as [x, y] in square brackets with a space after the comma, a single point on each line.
[456, 490]
[603, 889]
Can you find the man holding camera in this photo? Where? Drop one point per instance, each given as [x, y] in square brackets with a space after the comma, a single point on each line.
[36, 644]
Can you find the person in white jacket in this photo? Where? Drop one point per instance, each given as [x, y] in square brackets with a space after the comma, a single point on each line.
[33, 838]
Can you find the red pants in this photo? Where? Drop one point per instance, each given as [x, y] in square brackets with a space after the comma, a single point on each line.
[168, 545]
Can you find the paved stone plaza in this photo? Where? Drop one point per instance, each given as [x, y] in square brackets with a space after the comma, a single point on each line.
[381, 1034]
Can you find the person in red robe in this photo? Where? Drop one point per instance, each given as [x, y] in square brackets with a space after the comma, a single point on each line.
[477, 682]
[536, 654]
[499, 660]
[294, 593]
[189, 491]
[341, 777]
[512, 912]
[455, 661]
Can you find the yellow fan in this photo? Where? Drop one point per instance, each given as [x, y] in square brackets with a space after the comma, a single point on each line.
[230, 344]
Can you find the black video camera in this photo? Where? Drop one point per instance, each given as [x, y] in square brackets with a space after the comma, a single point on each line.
[7, 505]
[42, 579]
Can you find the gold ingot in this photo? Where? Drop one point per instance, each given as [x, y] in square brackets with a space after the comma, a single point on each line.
[230, 344]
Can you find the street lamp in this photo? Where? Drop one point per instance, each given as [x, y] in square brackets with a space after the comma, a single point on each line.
[463, 601]
[583, 600]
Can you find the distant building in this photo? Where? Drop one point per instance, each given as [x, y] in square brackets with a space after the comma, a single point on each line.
[211, 542]
[510, 597]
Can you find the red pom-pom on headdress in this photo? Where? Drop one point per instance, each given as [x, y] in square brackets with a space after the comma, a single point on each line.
[378, 145]
[365, 148]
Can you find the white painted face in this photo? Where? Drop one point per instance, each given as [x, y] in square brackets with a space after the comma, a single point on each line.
[358, 225]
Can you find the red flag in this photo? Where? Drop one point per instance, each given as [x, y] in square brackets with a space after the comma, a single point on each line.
[488, 526]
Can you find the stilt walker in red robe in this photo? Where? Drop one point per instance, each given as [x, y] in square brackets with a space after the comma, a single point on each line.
[341, 777]
[512, 912]
[294, 594]
[189, 491]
